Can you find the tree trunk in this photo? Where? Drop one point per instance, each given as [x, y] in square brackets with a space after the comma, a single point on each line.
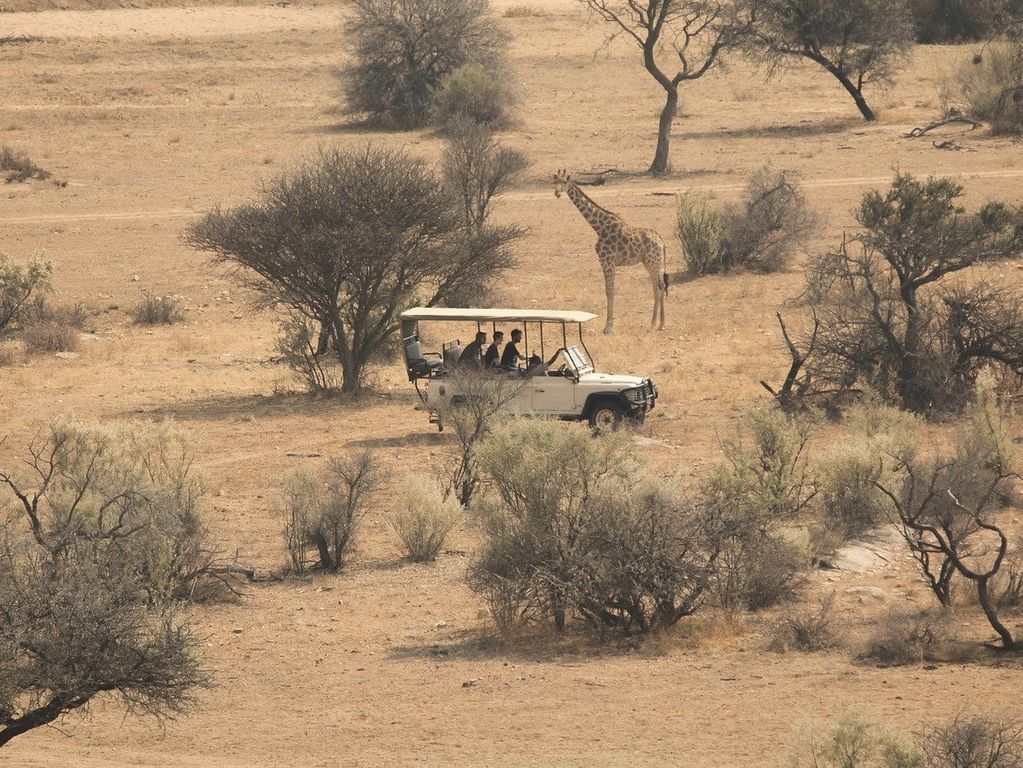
[39, 717]
[857, 94]
[984, 596]
[909, 366]
[661, 163]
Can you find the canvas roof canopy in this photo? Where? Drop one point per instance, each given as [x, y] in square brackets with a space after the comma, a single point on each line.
[485, 315]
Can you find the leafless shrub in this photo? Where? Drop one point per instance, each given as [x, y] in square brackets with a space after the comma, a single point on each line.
[523, 11]
[157, 310]
[323, 511]
[1009, 584]
[808, 629]
[16, 167]
[482, 398]
[296, 346]
[423, 518]
[914, 637]
[759, 233]
[973, 742]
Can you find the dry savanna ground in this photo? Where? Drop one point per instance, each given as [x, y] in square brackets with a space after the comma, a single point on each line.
[152, 115]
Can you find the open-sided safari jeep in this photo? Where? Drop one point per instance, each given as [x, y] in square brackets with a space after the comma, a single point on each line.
[563, 386]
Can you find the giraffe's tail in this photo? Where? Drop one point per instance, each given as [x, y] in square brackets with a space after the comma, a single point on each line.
[665, 278]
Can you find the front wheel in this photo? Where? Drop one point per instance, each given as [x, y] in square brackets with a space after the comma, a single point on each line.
[606, 416]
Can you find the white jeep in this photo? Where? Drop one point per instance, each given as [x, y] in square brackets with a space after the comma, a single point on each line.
[563, 386]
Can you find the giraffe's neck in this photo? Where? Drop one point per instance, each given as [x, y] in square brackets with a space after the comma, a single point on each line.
[597, 217]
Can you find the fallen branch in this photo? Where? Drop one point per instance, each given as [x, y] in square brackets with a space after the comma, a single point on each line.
[950, 119]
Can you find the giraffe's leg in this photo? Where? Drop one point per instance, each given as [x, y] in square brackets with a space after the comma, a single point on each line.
[609, 288]
[657, 280]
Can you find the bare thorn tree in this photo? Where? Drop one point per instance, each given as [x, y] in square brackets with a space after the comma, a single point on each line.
[681, 41]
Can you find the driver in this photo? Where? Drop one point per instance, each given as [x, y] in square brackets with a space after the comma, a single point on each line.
[510, 357]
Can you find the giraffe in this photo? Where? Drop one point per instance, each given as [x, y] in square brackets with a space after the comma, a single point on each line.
[620, 245]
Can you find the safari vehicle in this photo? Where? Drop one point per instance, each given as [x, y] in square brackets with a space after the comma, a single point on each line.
[563, 386]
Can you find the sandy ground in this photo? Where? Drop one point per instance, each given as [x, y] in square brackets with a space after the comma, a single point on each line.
[152, 115]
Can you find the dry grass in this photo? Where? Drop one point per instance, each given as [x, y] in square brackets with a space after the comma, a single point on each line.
[16, 167]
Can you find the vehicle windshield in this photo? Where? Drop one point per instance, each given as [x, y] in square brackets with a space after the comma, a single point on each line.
[577, 360]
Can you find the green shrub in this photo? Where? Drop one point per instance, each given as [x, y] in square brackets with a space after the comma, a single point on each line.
[157, 310]
[476, 94]
[698, 226]
[570, 530]
[423, 518]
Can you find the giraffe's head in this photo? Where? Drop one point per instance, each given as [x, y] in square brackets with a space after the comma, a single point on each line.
[561, 180]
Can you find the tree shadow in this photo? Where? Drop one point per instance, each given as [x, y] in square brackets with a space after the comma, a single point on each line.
[798, 130]
[224, 407]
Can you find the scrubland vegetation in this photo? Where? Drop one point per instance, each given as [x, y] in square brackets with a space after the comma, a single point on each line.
[897, 415]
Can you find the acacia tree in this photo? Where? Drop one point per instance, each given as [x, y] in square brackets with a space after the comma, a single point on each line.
[100, 531]
[859, 42]
[882, 317]
[681, 40]
[404, 49]
[348, 240]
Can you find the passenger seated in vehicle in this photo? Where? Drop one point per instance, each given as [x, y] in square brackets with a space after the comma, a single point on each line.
[510, 357]
[493, 356]
[472, 355]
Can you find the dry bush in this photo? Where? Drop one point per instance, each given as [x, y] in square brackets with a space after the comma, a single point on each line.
[973, 742]
[404, 49]
[851, 504]
[764, 487]
[911, 637]
[16, 167]
[20, 285]
[323, 511]
[951, 21]
[806, 629]
[131, 493]
[423, 518]
[157, 310]
[297, 349]
[885, 319]
[523, 11]
[47, 327]
[759, 233]
[990, 87]
[1009, 584]
[476, 94]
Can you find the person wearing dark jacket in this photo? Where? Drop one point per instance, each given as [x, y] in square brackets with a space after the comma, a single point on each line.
[493, 356]
[472, 355]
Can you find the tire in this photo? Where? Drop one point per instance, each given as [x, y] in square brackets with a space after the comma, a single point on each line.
[606, 416]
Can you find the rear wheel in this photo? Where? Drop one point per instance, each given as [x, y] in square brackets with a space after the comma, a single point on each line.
[606, 416]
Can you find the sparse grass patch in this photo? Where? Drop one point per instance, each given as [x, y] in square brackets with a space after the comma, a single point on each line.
[157, 310]
[47, 327]
[16, 167]
[523, 11]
